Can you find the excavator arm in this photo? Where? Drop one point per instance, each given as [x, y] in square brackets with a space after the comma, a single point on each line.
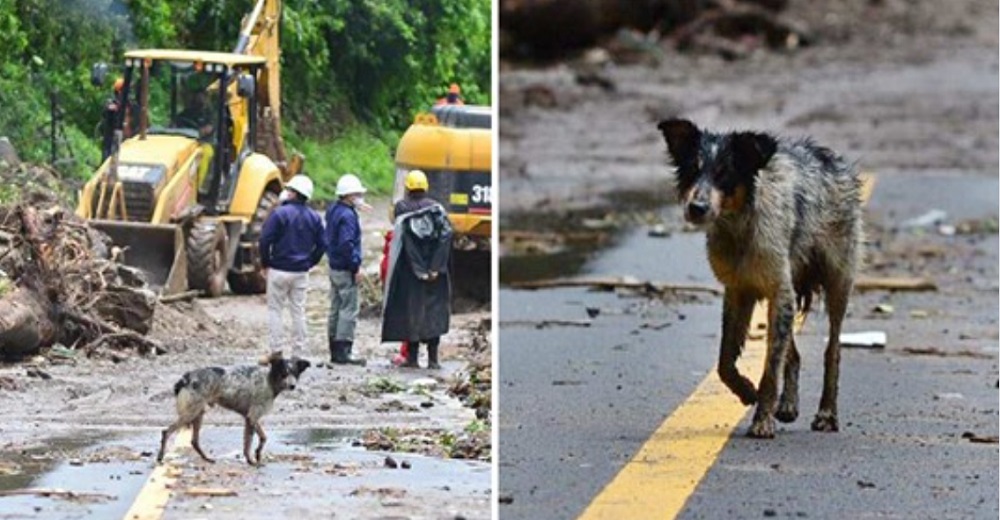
[259, 36]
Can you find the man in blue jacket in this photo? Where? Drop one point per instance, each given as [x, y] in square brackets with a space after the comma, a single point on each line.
[291, 243]
[343, 242]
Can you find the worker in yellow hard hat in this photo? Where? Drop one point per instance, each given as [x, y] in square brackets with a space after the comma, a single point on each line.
[414, 200]
[453, 97]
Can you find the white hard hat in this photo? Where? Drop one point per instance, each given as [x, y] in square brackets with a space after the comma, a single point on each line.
[349, 184]
[302, 185]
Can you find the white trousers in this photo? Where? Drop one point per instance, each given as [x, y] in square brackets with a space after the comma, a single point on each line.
[285, 289]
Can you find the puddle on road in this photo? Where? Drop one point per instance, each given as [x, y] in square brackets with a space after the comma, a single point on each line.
[559, 246]
[103, 488]
[320, 467]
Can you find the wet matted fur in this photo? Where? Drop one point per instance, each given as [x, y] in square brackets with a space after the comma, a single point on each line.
[248, 390]
[783, 222]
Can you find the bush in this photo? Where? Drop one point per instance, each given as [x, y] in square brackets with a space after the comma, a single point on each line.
[355, 151]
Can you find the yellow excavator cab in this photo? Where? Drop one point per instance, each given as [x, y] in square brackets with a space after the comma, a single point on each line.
[452, 145]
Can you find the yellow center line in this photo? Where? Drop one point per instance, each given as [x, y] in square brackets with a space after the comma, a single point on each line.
[657, 482]
[152, 499]
[660, 478]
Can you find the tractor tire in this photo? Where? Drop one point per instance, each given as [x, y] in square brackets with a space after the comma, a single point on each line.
[254, 282]
[206, 256]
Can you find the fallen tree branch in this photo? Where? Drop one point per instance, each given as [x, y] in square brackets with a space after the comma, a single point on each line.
[210, 492]
[54, 493]
[541, 324]
[869, 283]
[182, 296]
[108, 331]
[609, 284]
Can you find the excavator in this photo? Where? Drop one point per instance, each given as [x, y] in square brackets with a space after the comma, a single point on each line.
[197, 161]
[452, 145]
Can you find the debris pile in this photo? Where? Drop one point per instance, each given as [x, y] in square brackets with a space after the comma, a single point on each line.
[59, 281]
[474, 384]
[729, 28]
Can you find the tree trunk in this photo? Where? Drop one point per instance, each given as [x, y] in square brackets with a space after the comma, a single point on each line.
[25, 324]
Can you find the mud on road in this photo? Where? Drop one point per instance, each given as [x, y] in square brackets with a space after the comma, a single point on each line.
[92, 426]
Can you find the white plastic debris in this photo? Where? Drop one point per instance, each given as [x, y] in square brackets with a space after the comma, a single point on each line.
[869, 339]
[931, 218]
[427, 383]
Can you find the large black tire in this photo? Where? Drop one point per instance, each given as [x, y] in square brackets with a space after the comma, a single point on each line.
[206, 255]
[254, 282]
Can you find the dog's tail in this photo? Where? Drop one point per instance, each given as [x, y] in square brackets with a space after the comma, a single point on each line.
[181, 383]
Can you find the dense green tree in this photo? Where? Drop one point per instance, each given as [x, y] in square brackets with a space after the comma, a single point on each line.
[345, 63]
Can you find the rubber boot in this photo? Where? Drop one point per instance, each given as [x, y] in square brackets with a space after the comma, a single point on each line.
[432, 354]
[335, 354]
[340, 354]
[412, 354]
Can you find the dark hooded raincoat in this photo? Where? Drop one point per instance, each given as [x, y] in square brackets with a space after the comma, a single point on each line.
[415, 309]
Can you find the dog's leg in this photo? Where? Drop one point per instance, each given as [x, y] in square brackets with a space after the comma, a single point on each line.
[170, 430]
[836, 307]
[261, 439]
[195, 432]
[737, 307]
[781, 315]
[788, 405]
[247, 440]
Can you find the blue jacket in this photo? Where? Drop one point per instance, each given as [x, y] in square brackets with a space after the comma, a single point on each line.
[343, 238]
[292, 239]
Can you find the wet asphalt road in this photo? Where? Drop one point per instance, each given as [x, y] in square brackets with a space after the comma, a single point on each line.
[576, 402]
[309, 473]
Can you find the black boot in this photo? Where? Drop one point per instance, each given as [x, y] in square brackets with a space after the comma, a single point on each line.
[412, 354]
[340, 354]
[432, 354]
[337, 353]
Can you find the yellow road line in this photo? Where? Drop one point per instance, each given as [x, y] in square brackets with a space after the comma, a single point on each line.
[152, 499]
[657, 482]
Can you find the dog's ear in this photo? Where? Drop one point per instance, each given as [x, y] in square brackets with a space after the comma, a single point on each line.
[682, 138]
[274, 357]
[301, 365]
[753, 150]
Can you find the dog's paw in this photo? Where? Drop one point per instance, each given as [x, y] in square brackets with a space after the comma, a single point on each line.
[825, 421]
[746, 392]
[787, 412]
[761, 429]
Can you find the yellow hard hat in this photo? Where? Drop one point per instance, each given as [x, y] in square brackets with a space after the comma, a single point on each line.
[416, 180]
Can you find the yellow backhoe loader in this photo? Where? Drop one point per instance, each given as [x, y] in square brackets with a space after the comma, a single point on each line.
[197, 161]
[452, 145]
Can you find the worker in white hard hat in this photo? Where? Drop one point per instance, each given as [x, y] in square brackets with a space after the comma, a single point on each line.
[343, 242]
[291, 243]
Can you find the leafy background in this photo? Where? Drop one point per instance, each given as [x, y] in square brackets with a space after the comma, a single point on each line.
[354, 72]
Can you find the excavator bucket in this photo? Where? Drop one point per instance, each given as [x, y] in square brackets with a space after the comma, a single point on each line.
[157, 249]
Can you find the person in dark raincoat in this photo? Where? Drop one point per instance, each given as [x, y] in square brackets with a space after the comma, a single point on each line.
[417, 305]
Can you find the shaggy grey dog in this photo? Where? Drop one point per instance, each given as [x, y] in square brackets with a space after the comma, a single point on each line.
[783, 222]
[247, 390]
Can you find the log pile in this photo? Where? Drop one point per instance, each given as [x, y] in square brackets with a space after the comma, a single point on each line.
[59, 281]
[729, 28]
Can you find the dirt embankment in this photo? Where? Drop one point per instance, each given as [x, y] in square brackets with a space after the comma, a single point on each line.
[899, 86]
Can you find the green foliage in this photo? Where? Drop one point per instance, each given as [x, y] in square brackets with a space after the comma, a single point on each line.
[352, 70]
[355, 151]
